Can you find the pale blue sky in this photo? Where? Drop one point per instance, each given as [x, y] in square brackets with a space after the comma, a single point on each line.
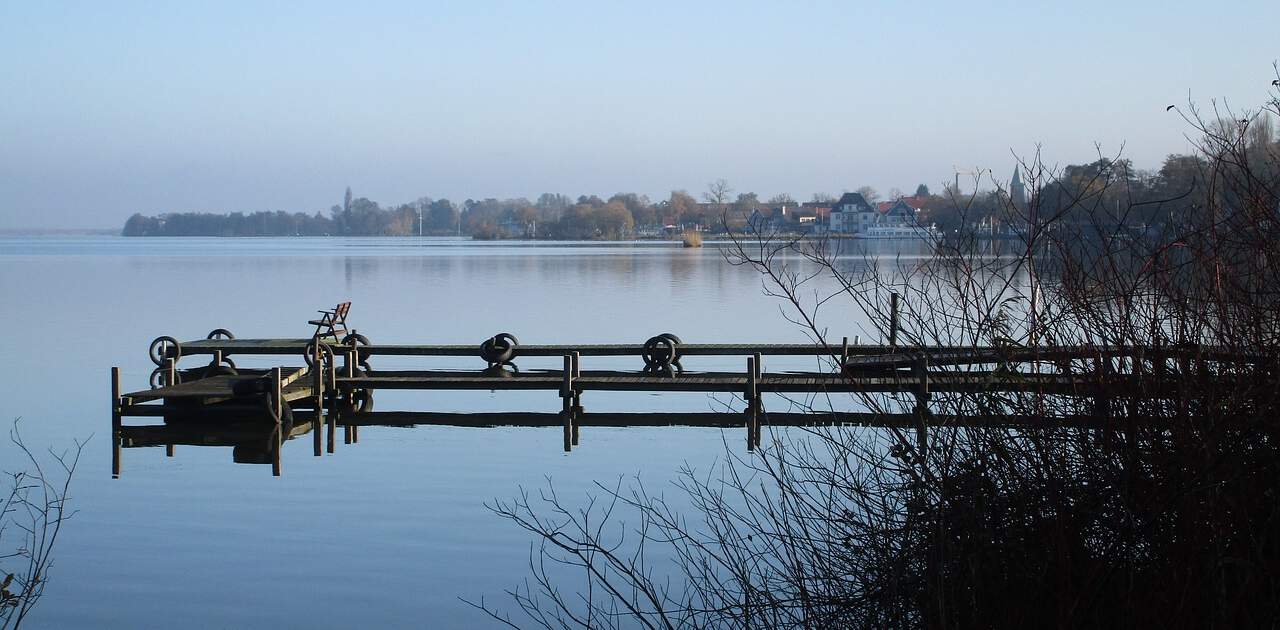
[108, 108]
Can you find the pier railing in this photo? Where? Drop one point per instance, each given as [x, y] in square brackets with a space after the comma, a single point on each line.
[212, 403]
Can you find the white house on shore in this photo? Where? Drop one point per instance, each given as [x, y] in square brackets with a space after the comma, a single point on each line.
[853, 215]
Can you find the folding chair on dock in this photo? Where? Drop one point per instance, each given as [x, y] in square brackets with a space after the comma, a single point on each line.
[332, 323]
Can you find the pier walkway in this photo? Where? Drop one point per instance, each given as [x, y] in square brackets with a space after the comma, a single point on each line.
[216, 402]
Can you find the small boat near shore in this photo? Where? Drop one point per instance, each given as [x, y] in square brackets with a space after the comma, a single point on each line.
[929, 233]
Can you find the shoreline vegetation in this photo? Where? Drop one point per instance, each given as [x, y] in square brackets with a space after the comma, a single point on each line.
[1154, 195]
[1149, 502]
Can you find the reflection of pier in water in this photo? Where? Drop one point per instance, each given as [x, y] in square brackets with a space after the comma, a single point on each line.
[256, 411]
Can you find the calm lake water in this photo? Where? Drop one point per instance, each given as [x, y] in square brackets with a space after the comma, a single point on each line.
[389, 532]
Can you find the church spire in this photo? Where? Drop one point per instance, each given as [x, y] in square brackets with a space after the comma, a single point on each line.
[1017, 191]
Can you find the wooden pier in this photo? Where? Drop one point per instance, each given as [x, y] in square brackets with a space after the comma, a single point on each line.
[256, 410]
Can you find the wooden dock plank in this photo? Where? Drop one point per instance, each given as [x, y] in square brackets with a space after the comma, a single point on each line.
[213, 387]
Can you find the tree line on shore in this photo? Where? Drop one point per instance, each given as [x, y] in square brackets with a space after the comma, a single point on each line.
[1156, 196]
[1127, 480]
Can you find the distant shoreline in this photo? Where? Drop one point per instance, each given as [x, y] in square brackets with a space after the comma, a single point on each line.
[59, 232]
[710, 239]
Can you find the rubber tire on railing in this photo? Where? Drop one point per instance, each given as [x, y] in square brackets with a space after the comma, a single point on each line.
[357, 340]
[503, 370]
[308, 353]
[174, 352]
[358, 400]
[675, 360]
[219, 370]
[648, 355]
[499, 349]
[362, 368]
[220, 333]
[157, 378]
[363, 401]
[659, 352]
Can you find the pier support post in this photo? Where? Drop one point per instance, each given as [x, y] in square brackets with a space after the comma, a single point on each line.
[317, 389]
[1102, 400]
[277, 406]
[921, 368]
[577, 397]
[1137, 367]
[752, 394]
[844, 354]
[332, 419]
[759, 398]
[1160, 371]
[277, 394]
[170, 379]
[348, 432]
[1184, 375]
[116, 412]
[277, 439]
[893, 320]
[566, 394]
